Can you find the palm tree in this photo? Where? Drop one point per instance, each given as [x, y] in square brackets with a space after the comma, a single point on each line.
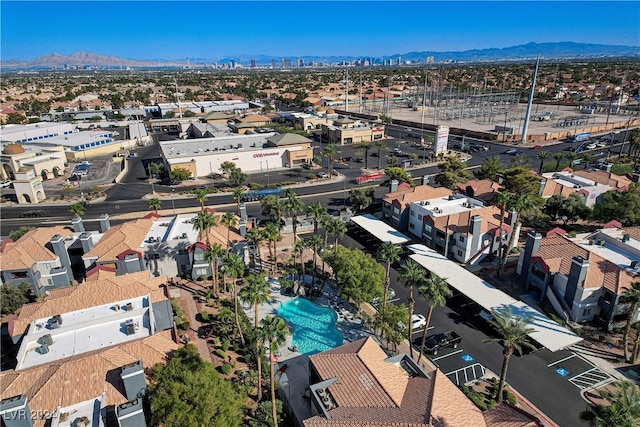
[154, 204]
[379, 145]
[212, 256]
[389, 253]
[411, 274]
[237, 194]
[226, 167]
[522, 203]
[587, 158]
[366, 146]
[330, 152]
[314, 244]
[336, 228]
[298, 249]
[256, 292]
[272, 233]
[502, 200]
[234, 268]
[274, 331]
[558, 158]
[541, 155]
[513, 332]
[228, 220]
[630, 295]
[293, 205]
[436, 290]
[572, 157]
[77, 209]
[203, 222]
[254, 237]
[316, 211]
[621, 410]
[273, 207]
[200, 195]
[325, 237]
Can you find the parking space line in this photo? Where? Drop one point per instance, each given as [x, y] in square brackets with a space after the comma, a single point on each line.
[473, 372]
[447, 355]
[561, 360]
[589, 378]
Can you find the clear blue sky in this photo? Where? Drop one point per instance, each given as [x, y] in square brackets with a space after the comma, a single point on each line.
[212, 30]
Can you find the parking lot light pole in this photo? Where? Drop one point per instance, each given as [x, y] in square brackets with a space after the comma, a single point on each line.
[80, 185]
[173, 204]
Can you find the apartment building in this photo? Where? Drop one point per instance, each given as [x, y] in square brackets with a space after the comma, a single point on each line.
[584, 277]
[82, 352]
[455, 225]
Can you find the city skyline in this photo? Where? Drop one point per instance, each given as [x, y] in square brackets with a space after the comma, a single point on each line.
[172, 30]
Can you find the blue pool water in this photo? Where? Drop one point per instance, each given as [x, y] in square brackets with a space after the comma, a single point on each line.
[313, 327]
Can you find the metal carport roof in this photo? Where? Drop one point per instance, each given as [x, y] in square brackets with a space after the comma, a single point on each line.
[547, 332]
[380, 229]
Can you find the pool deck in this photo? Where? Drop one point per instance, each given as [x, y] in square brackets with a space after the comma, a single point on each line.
[349, 326]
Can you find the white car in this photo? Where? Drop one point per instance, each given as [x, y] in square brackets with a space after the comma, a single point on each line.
[5, 183]
[417, 321]
[391, 294]
[323, 175]
[591, 146]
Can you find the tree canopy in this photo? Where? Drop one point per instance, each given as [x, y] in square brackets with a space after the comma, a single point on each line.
[623, 206]
[14, 297]
[180, 174]
[453, 172]
[361, 198]
[400, 174]
[568, 209]
[489, 168]
[189, 392]
[358, 275]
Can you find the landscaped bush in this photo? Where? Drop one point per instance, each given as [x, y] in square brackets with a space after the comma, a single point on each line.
[226, 369]
[184, 325]
[225, 344]
[475, 397]
[510, 397]
[221, 354]
[205, 316]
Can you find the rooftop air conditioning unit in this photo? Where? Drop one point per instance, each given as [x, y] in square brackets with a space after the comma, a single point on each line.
[83, 422]
[326, 402]
[55, 322]
[43, 349]
[427, 202]
[321, 392]
[129, 306]
[46, 340]
[130, 327]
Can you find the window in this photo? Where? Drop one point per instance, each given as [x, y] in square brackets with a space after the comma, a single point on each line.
[412, 226]
[459, 253]
[427, 228]
[182, 252]
[412, 213]
[586, 312]
[396, 210]
[461, 239]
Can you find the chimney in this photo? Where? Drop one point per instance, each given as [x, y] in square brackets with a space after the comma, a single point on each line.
[511, 219]
[87, 242]
[243, 227]
[475, 223]
[531, 246]
[15, 412]
[635, 177]
[393, 186]
[243, 211]
[78, 226]
[133, 379]
[105, 224]
[131, 414]
[57, 244]
[577, 275]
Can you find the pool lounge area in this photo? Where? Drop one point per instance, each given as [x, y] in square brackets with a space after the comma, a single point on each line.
[312, 328]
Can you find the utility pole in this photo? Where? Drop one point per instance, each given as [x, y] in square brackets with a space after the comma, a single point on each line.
[525, 126]
[346, 90]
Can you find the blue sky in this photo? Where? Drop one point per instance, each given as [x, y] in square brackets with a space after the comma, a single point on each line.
[213, 30]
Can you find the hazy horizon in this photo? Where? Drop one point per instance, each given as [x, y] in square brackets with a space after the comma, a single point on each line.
[172, 30]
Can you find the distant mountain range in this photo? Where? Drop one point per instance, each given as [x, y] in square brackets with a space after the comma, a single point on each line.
[548, 51]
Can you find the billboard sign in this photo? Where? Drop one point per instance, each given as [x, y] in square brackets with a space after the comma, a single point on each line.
[442, 137]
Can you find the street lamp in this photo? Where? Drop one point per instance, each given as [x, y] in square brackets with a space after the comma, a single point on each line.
[80, 185]
[173, 204]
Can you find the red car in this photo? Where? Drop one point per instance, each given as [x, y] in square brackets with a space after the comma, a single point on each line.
[537, 147]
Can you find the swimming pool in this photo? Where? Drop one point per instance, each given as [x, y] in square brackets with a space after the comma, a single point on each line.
[314, 328]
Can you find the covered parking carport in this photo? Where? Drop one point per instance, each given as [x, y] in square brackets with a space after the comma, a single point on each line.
[380, 229]
[546, 332]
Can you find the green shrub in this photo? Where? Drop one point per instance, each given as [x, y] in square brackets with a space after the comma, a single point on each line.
[225, 344]
[184, 325]
[510, 397]
[221, 354]
[236, 347]
[475, 397]
[226, 369]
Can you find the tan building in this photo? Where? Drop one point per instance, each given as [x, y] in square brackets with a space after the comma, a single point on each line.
[344, 131]
[46, 162]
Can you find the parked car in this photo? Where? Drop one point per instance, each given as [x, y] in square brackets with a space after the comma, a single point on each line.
[396, 150]
[537, 147]
[442, 340]
[591, 146]
[486, 315]
[323, 175]
[390, 295]
[359, 160]
[5, 184]
[511, 152]
[417, 321]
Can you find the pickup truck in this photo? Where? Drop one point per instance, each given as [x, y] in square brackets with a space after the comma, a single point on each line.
[444, 339]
